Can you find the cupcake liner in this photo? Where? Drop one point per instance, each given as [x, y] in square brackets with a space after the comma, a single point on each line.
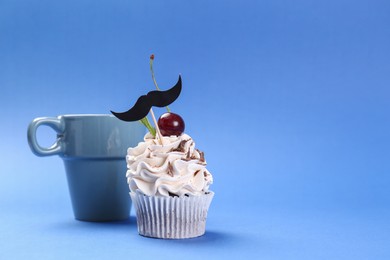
[171, 217]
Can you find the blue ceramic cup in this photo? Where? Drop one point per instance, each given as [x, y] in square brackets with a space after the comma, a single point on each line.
[93, 148]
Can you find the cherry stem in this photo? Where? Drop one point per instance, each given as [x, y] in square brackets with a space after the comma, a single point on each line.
[153, 77]
[157, 128]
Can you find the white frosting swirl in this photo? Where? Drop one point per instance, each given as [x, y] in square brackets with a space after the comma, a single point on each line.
[175, 168]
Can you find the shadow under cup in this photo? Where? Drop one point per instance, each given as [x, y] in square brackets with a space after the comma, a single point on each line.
[93, 148]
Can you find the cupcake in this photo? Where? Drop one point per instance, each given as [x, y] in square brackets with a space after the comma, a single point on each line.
[169, 187]
[167, 175]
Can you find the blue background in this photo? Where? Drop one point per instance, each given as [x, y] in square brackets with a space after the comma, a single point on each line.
[288, 99]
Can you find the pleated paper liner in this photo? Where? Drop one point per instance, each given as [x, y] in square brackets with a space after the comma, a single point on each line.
[171, 217]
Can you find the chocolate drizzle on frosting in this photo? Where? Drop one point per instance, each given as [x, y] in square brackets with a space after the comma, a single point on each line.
[181, 147]
[201, 154]
[195, 173]
[170, 169]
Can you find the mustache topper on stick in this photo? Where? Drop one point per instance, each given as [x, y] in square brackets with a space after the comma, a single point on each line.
[144, 103]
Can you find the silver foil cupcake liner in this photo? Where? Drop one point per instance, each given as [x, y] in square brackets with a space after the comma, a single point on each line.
[171, 217]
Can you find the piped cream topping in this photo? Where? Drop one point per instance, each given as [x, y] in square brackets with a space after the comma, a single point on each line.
[175, 168]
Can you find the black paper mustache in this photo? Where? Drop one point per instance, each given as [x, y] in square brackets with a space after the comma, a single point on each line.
[144, 103]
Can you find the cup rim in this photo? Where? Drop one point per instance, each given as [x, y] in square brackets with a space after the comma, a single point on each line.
[86, 115]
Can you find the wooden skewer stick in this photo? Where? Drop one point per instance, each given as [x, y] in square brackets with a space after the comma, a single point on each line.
[157, 128]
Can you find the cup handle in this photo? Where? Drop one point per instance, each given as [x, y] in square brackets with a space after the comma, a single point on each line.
[57, 125]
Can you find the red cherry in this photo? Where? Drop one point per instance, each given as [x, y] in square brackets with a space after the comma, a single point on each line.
[171, 124]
